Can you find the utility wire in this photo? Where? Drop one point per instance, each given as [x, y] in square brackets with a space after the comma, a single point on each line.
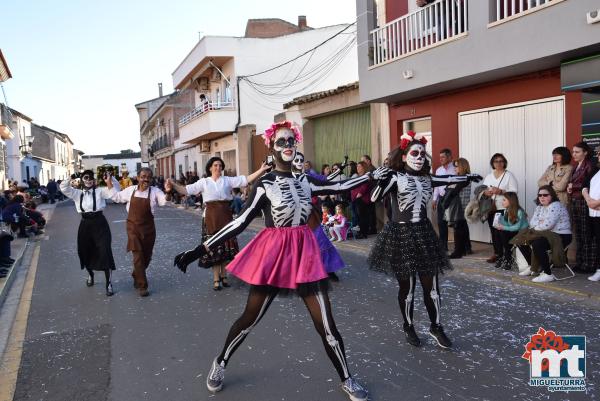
[306, 52]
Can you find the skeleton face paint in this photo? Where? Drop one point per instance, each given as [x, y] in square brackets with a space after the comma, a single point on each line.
[298, 163]
[88, 181]
[285, 145]
[415, 157]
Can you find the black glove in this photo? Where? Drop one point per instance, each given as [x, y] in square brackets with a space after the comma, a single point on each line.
[474, 177]
[183, 259]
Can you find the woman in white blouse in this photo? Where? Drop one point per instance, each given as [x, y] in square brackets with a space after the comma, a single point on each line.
[498, 182]
[592, 198]
[216, 190]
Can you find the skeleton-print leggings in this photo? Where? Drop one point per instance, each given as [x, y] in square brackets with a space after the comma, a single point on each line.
[431, 296]
[319, 308]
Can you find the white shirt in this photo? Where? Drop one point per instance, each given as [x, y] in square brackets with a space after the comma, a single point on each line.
[553, 217]
[157, 197]
[87, 202]
[594, 192]
[441, 170]
[508, 184]
[220, 189]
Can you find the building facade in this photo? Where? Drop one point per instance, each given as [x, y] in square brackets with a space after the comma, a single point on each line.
[336, 123]
[443, 72]
[231, 87]
[125, 160]
[51, 155]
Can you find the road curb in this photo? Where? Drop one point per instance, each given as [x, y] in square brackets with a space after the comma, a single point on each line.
[12, 273]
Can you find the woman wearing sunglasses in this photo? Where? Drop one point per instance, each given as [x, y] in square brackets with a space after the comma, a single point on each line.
[550, 215]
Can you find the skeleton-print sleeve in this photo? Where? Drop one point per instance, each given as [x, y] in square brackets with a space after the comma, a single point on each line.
[318, 187]
[255, 202]
[383, 187]
[334, 174]
[442, 180]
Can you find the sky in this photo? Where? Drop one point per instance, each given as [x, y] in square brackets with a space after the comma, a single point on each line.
[79, 67]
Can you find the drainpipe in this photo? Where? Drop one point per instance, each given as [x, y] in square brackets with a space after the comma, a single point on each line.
[237, 89]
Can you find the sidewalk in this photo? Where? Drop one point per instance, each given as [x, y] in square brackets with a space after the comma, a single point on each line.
[578, 286]
[17, 249]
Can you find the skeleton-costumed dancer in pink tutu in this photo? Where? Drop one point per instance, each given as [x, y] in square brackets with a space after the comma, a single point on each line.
[283, 257]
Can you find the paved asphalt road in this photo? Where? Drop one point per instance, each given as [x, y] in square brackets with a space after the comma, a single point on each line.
[81, 345]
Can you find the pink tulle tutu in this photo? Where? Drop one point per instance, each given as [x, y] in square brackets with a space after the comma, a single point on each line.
[281, 257]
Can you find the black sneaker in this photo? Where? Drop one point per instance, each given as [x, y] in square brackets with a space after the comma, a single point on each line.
[499, 262]
[90, 280]
[437, 332]
[411, 335]
[508, 263]
[109, 290]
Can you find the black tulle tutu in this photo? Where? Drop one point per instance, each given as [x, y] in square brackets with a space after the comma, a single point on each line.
[402, 250]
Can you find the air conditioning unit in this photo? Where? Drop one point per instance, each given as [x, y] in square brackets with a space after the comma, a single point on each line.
[593, 17]
[215, 75]
[205, 146]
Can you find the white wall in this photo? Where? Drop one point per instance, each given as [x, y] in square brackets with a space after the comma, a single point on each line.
[193, 155]
[253, 55]
[13, 152]
[131, 164]
[91, 163]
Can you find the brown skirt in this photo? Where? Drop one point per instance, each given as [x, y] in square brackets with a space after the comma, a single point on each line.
[217, 215]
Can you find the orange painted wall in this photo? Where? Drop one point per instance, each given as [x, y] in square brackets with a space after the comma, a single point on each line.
[443, 109]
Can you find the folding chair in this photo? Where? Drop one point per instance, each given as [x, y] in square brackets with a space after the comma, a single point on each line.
[570, 273]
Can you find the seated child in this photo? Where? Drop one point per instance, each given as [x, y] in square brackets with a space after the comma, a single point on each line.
[339, 227]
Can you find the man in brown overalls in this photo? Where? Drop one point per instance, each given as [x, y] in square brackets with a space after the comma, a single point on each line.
[141, 201]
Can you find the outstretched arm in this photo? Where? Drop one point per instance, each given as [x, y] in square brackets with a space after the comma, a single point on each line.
[339, 171]
[253, 208]
[384, 186]
[441, 180]
[318, 187]
[67, 189]
[254, 204]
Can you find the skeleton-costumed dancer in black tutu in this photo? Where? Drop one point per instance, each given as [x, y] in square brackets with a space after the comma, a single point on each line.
[408, 246]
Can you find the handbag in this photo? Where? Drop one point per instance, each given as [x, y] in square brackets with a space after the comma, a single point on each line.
[6, 230]
[493, 208]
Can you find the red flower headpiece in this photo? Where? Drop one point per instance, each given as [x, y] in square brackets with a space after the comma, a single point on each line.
[409, 137]
[270, 132]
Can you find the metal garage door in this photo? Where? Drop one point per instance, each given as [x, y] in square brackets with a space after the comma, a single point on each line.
[345, 133]
[524, 133]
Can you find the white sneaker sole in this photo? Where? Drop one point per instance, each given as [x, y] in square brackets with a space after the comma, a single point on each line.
[353, 398]
[214, 389]
[438, 342]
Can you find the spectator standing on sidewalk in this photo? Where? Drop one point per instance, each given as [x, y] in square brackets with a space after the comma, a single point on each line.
[498, 182]
[446, 168]
[587, 248]
[592, 198]
[558, 174]
[454, 202]
[361, 199]
[142, 200]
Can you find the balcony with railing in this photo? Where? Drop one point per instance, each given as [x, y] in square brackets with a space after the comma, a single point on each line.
[204, 108]
[506, 10]
[6, 119]
[430, 26]
[210, 119]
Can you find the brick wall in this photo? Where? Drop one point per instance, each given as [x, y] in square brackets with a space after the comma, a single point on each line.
[273, 27]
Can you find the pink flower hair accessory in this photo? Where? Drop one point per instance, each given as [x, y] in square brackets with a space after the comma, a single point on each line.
[270, 132]
[409, 137]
